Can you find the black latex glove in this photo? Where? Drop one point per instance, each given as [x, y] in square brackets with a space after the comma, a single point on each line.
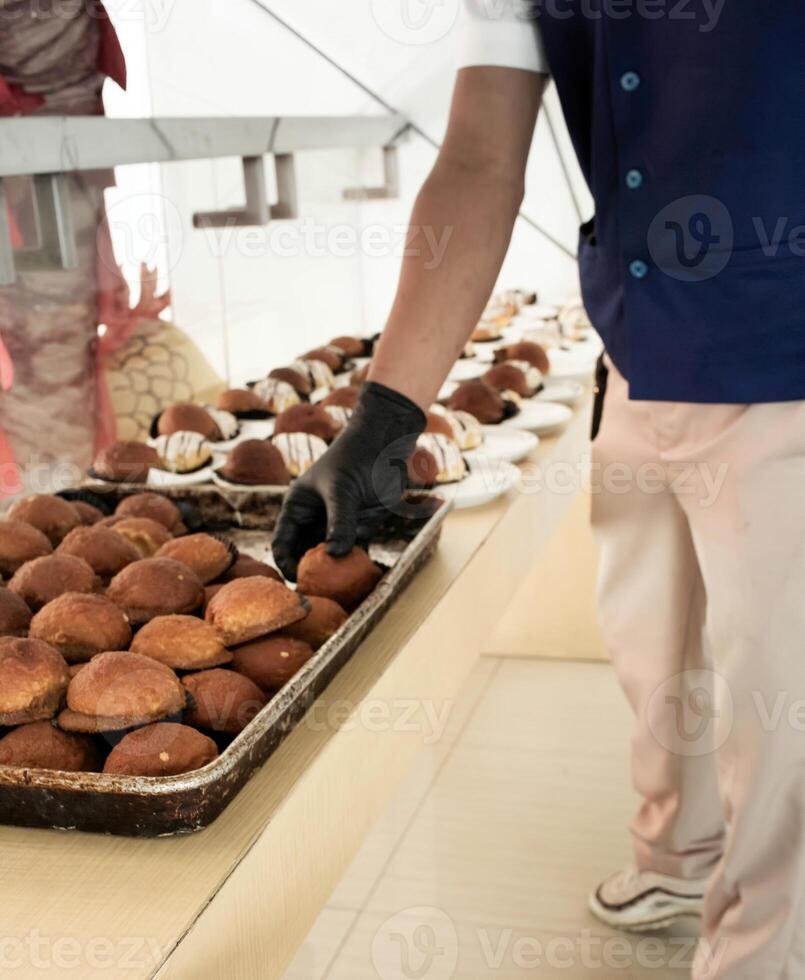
[361, 477]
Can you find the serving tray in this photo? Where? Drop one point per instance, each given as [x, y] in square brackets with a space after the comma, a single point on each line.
[136, 806]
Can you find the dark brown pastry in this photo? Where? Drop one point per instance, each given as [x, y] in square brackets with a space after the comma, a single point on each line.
[15, 616]
[223, 700]
[333, 357]
[479, 400]
[44, 579]
[255, 462]
[346, 396]
[209, 557]
[105, 551]
[126, 462]
[182, 643]
[423, 469]
[312, 419]
[247, 567]
[89, 515]
[186, 417]
[299, 382]
[116, 691]
[271, 662]
[33, 679]
[360, 375]
[240, 401]
[439, 424]
[79, 626]
[324, 619]
[351, 346]
[156, 587]
[53, 516]
[507, 377]
[524, 350]
[346, 580]
[154, 506]
[252, 607]
[40, 745]
[20, 542]
[164, 749]
[146, 535]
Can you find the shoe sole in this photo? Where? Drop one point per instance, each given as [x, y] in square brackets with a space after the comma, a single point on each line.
[647, 925]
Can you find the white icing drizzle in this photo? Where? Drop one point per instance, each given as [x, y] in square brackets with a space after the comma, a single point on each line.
[450, 463]
[299, 450]
[317, 373]
[467, 429]
[341, 414]
[533, 375]
[278, 395]
[183, 452]
[227, 424]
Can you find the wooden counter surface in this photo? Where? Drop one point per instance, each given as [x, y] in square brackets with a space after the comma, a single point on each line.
[236, 900]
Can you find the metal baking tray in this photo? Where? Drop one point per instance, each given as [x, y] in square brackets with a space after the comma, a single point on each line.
[134, 806]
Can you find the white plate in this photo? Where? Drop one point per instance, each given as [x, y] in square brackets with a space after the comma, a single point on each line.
[538, 311]
[467, 369]
[510, 445]
[541, 417]
[254, 429]
[165, 479]
[488, 479]
[563, 392]
[219, 481]
[572, 365]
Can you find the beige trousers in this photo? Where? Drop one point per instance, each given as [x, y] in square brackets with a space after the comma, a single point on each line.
[700, 515]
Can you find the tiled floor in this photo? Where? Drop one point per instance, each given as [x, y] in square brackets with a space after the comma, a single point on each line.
[481, 866]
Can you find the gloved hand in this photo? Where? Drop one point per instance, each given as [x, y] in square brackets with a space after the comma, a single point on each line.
[360, 478]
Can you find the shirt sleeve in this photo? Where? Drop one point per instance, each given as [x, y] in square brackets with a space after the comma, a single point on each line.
[503, 33]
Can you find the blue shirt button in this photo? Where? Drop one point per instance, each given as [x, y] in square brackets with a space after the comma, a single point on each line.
[630, 80]
[638, 269]
[634, 179]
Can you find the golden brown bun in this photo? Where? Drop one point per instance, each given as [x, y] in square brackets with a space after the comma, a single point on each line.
[223, 700]
[325, 618]
[313, 419]
[54, 516]
[44, 579]
[238, 400]
[351, 346]
[346, 580]
[297, 381]
[89, 515]
[333, 357]
[210, 591]
[525, 350]
[255, 462]
[182, 643]
[479, 400]
[155, 587]
[250, 607]
[120, 690]
[508, 377]
[105, 551]
[33, 679]
[209, 557]
[39, 745]
[247, 567]
[20, 542]
[422, 468]
[185, 417]
[79, 626]
[165, 749]
[126, 462]
[146, 535]
[74, 668]
[15, 616]
[271, 662]
[154, 506]
[346, 397]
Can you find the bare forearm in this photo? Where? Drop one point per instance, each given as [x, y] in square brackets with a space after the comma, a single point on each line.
[460, 229]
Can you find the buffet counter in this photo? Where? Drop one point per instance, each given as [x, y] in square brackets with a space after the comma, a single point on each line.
[236, 900]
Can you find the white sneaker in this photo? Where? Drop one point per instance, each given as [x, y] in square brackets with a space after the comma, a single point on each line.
[641, 901]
